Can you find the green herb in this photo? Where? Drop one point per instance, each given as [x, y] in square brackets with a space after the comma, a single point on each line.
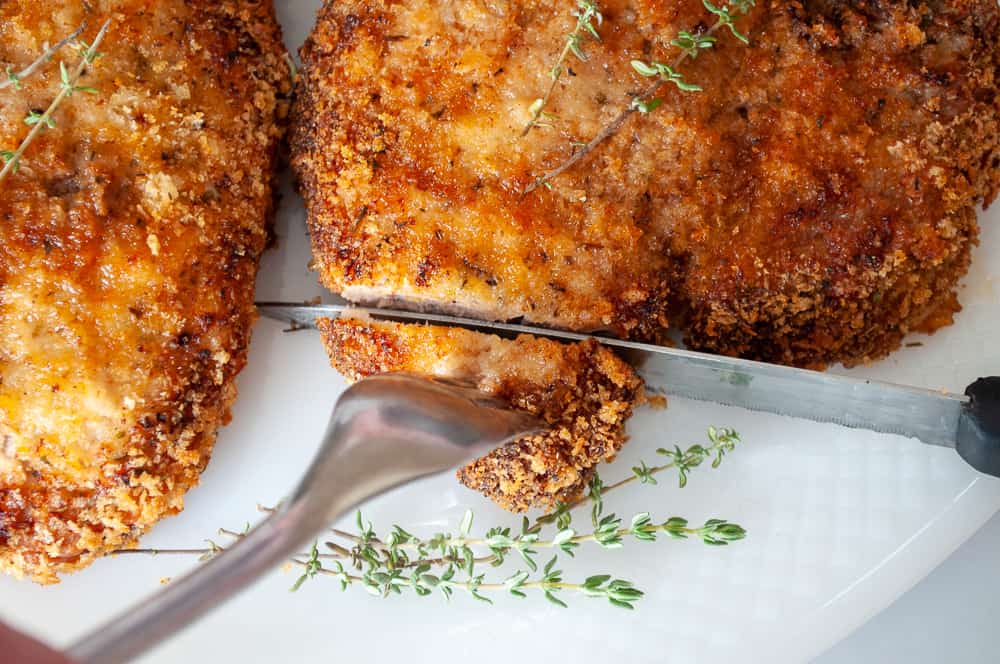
[403, 561]
[39, 121]
[10, 157]
[588, 19]
[293, 69]
[618, 592]
[666, 73]
[596, 494]
[69, 87]
[15, 79]
[644, 473]
[88, 52]
[12, 78]
[646, 106]
[690, 45]
[36, 117]
[727, 15]
[311, 566]
[723, 441]
[693, 43]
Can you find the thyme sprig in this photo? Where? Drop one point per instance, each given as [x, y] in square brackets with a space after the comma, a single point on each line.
[386, 568]
[690, 45]
[443, 548]
[402, 549]
[403, 561]
[67, 87]
[722, 441]
[618, 592]
[12, 78]
[588, 19]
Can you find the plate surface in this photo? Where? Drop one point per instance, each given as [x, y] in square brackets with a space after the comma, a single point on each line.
[840, 522]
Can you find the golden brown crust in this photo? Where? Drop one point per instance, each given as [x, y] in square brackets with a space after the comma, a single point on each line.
[812, 205]
[582, 391]
[129, 245]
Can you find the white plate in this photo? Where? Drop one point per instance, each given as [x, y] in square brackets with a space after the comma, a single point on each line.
[840, 522]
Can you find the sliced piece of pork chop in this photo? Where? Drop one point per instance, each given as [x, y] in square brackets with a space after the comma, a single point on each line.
[583, 391]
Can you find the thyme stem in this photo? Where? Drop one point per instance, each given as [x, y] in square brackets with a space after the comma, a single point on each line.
[539, 108]
[611, 128]
[608, 131]
[654, 470]
[543, 544]
[15, 79]
[618, 592]
[588, 12]
[720, 443]
[465, 585]
[43, 121]
[162, 552]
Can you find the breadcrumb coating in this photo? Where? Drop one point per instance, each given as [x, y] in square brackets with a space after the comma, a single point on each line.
[129, 243]
[583, 392]
[814, 203]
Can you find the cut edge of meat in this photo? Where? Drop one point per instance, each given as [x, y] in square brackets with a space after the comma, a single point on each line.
[583, 391]
[414, 300]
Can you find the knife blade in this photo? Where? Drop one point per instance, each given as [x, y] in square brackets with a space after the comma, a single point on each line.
[966, 422]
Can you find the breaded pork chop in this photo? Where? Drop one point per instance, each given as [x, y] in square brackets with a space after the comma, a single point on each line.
[582, 391]
[812, 204]
[129, 243]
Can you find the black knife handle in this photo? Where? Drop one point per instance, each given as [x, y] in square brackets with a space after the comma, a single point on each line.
[979, 426]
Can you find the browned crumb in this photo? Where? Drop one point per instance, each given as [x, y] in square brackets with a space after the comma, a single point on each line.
[940, 315]
[129, 244]
[583, 391]
[656, 401]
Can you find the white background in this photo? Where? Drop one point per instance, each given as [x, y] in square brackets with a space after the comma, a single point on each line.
[951, 616]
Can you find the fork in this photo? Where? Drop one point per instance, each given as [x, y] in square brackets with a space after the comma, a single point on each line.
[384, 431]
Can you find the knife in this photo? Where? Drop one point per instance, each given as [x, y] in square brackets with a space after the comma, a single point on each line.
[968, 423]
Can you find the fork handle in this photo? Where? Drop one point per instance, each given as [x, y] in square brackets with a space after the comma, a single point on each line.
[384, 431]
[185, 600]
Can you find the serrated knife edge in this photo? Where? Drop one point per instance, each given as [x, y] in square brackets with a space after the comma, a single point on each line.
[928, 415]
